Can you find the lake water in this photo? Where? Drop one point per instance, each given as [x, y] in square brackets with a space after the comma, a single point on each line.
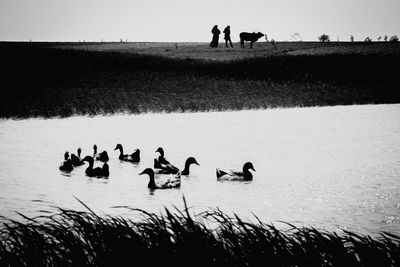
[328, 167]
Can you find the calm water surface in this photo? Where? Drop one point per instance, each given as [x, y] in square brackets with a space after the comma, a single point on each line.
[329, 167]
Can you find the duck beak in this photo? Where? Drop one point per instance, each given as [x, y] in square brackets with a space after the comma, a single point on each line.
[115, 148]
[196, 163]
[142, 173]
[252, 169]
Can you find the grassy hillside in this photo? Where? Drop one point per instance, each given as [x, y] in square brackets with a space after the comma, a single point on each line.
[64, 79]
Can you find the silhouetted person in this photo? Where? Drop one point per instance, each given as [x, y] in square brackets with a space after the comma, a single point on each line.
[351, 38]
[215, 31]
[386, 38]
[227, 37]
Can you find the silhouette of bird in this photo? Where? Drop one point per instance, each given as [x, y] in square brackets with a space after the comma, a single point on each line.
[244, 175]
[171, 169]
[161, 159]
[66, 166]
[134, 157]
[162, 165]
[172, 182]
[96, 172]
[76, 160]
[103, 156]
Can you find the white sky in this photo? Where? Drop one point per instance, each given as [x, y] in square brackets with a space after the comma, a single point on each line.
[186, 20]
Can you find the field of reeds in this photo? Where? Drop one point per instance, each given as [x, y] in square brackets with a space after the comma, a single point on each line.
[60, 80]
[180, 238]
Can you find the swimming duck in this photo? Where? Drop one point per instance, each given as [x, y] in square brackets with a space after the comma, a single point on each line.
[66, 166]
[161, 159]
[96, 172]
[103, 156]
[171, 169]
[244, 175]
[76, 160]
[173, 182]
[134, 157]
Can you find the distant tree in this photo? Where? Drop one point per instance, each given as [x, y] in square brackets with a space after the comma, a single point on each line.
[367, 39]
[379, 38]
[324, 38]
[386, 38]
[394, 38]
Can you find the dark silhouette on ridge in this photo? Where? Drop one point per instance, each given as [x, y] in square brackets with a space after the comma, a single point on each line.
[227, 37]
[252, 37]
[215, 32]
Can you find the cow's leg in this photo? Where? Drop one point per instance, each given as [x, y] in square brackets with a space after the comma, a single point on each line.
[251, 44]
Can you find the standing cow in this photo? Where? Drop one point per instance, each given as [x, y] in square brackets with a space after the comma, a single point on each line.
[247, 36]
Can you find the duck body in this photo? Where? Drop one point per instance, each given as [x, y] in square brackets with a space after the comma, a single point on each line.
[171, 169]
[160, 168]
[103, 156]
[171, 182]
[134, 157]
[76, 159]
[67, 165]
[244, 175]
[96, 172]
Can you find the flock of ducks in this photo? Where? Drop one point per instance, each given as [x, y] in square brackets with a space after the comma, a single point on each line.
[161, 167]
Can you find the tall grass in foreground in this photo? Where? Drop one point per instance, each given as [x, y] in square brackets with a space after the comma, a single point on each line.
[73, 238]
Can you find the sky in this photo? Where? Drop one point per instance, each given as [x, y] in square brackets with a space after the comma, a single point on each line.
[191, 21]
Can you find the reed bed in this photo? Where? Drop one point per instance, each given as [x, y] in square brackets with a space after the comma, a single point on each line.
[41, 81]
[180, 238]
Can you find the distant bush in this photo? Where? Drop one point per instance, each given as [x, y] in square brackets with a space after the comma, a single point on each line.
[367, 39]
[394, 38]
[324, 38]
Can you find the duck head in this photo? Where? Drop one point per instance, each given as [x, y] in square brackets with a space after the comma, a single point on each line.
[248, 166]
[148, 171]
[88, 159]
[79, 151]
[161, 151]
[119, 146]
[191, 160]
[66, 155]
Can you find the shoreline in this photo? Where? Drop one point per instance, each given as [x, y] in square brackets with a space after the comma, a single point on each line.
[186, 112]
